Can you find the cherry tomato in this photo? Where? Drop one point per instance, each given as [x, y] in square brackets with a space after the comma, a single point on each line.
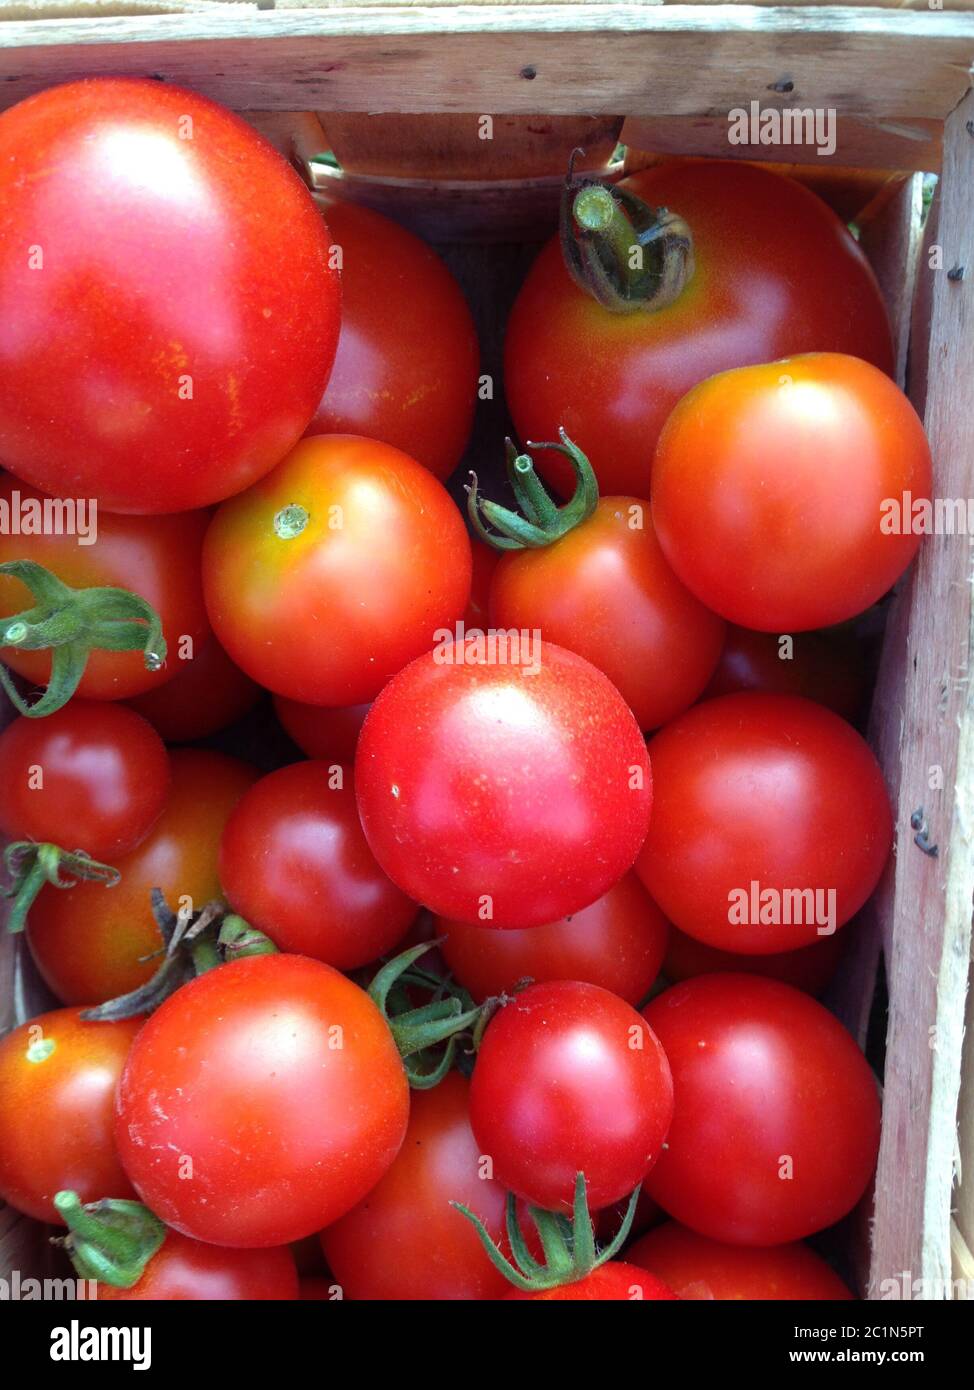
[320, 732]
[611, 379]
[93, 773]
[771, 824]
[406, 371]
[790, 468]
[568, 1079]
[182, 1270]
[505, 794]
[485, 559]
[93, 943]
[810, 968]
[205, 695]
[261, 1102]
[347, 533]
[614, 1280]
[776, 1122]
[150, 368]
[58, 1076]
[824, 666]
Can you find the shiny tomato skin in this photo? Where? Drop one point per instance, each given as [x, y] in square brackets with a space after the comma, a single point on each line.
[406, 370]
[205, 695]
[569, 1079]
[322, 732]
[91, 775]
[280, 1080]
[788, 467]
[827, 667]
[613, 1281]
[617, 943]
[770, 1092]
[606, 592]
[382, 561]
[294, 863]
[184, 1270]
[503, 794]
[92, 943]
[810, 968]
[58, 1077]
[612, 379]
[157, 558]
[764, 794]
[186, 365]
[698, 1268]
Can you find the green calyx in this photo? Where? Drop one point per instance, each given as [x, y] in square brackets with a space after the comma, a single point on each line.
[111, 1241]
[567, 1243]
[73, 623]
[419, 1031]
[29, 866]
[538, 521]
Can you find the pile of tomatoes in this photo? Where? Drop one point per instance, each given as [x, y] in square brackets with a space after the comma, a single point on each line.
[507, 987]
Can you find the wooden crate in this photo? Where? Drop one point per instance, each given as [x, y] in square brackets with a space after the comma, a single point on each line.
[661, 78]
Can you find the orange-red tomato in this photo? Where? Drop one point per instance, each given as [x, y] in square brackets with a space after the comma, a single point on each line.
[613, 1281]
[205, 695]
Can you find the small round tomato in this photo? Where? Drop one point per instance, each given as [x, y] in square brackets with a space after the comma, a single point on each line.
[771, 824]
[827, 667]
[205, 695]
[189, 1270]
[568, 1080]
[321, 732]
[261, 1102]
[503, 793]
[612, 1281]
[346, 533]
[58, 1076]
[295, 864]
[771, 1095]
[810, 968]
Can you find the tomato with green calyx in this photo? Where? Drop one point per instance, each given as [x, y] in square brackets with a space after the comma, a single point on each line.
[207, 693]
[322, 732]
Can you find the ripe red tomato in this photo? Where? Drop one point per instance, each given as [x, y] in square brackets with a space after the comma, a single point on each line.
[157, 558]
[485, 559]
[790, 468]
[93, 943]
[771, 824]
[294, 863]
[57, 1088]
[261, 1102]
[509, 795]
[776, 1121]
[189, 1270]
[322, 732]
[611, 379]
[605, 591]
[94, 775]
[569, 1079]
[615, 1280]
[406, 370]
[185, 365]
[617, 943]
[348, 533]
[810, 968]
[698, 1268]
[827, 667]
[205, 695]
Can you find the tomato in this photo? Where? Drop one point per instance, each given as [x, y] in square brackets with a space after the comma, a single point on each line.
[505, 794]
[614, 1280]
[776, 1121]
[617, 942]
[164, 339]
[57, 1088]
[695, 1267]
[827, 667]
[791, 468]
[485, 559]
[205, 695]
[763, 248]
[261, 1102]
[320, 732]
[771, 824]
[345, 532]
[569, 1079]
[605, 591]
[318, 1289]
[810, 968]
[93, 773]
[93, 943]
[294, 863]
[407, 366]
[157, 558]
[184, 1269]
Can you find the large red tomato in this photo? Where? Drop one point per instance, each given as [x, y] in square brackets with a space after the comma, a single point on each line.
[695, 1267]
[205, 695]
[168, 316]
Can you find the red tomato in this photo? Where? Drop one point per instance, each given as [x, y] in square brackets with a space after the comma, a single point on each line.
[605, 592]
[614, 1280]
[810, 968]
[617, 942]
[184, 1269]
[150, 368]
[776, 1122]
[90, 773]
[57, 1087]
[695, 1267]
[320, 732]
[568, 1079]
[505, 794]
[790, 468]
[157, 558]
[262, 1101]
[345, 532]
[824, 666]
[93, 943]
[205, 695]
[771, 824]
[485, 559]
[406, 371]
[611, 379]
[294, 863]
